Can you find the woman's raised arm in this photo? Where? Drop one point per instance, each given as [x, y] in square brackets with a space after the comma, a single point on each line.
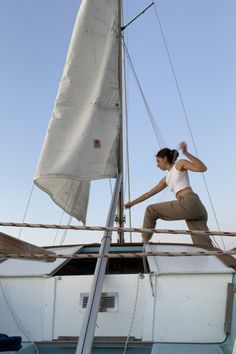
[192, 164]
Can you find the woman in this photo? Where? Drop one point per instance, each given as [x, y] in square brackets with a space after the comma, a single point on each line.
[188, 206]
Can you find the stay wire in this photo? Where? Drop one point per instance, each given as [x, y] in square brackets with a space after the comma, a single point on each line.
[150, 114]
[159, 138]
[26, 209]
[63, 212]
[15, 317]
[66, 231]
[186, 117]
[54, 241]
[156, 130]
[71, 217]
[140, 276]
[110, 184]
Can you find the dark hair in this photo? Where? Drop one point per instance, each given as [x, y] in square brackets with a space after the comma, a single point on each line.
[171, 155]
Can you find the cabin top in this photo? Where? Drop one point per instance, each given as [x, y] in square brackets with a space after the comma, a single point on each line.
[157, 264]
[187, 264]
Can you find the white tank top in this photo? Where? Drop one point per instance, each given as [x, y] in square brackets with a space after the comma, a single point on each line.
[177, 180]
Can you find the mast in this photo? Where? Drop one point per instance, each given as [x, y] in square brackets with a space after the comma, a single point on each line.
[120, 218]
[86, 336]
[120, 210]
[89, 322]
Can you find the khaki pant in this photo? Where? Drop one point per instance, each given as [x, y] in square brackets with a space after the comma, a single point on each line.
[187, 207]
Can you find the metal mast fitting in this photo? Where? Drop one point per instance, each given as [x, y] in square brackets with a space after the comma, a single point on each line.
[135, 18]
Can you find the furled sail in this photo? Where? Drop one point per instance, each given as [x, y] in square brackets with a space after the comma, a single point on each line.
[82, 137]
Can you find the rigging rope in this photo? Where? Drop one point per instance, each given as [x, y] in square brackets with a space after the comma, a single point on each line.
[119, 229]
[154, 125]
[110, 184]
[140, 276]
[185, 113]
[70, 217]
[15, 317]
[26, 209]
[60, 221]
[158, 135]
[40, 256]
[63, 212]
[154, 294]
[157, 132]
[66, 231]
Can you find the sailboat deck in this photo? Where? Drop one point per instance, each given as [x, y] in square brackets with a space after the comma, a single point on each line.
[175, 300]
[158, 264]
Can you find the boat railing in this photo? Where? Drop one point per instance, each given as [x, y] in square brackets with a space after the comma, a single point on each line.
[118, 229]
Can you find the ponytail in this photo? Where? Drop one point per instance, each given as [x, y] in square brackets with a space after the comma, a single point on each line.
[171, 155]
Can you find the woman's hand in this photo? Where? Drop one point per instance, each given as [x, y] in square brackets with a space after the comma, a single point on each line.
[159, 187]
[183, 147]
[128, 205]
[194, 165]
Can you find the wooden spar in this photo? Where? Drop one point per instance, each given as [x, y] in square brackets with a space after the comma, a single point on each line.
[9, 244]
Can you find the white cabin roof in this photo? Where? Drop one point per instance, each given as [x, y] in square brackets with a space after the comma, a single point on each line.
[27, 267]
[184, 264]
[157, 264]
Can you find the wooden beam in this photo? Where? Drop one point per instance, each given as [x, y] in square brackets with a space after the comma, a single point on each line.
[9, 244]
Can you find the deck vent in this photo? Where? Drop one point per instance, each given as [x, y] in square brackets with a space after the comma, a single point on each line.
[109, 302]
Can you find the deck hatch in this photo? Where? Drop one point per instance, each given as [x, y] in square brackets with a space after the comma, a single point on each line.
[109, 302]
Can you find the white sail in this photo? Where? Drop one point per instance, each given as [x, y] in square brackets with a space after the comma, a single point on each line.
[81, 141]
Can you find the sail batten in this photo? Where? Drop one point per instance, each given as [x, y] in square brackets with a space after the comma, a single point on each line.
[82, 137]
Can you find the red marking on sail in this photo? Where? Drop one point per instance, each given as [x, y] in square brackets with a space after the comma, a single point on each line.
[97, 144]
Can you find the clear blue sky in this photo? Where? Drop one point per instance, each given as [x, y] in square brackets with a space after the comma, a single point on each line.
[201, 36]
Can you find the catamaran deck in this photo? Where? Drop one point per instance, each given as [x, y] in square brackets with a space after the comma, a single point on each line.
[158, 304]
